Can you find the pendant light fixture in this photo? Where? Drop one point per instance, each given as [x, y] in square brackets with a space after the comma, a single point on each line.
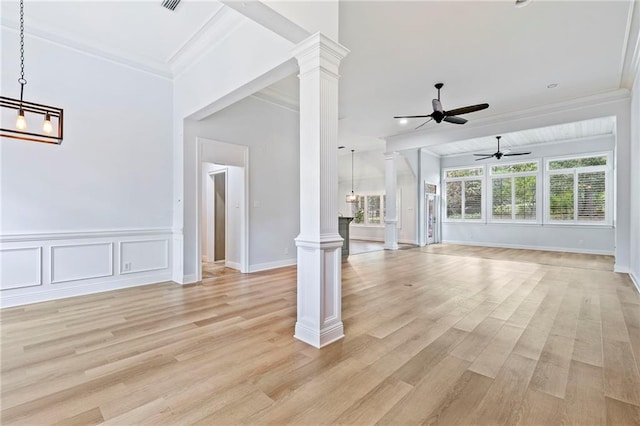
[352, 198]
[28, 114]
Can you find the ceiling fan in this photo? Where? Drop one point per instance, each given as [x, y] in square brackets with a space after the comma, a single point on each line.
[440, 114]
[499, 154]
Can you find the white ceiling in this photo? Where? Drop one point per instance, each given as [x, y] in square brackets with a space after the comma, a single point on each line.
[483, 51]
[141, 31]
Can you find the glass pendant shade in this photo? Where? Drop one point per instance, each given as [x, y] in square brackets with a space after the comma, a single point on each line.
[21, 122]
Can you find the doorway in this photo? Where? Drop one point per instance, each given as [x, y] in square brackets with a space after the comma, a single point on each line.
[432, 207]
[219, 216]
[222, 162]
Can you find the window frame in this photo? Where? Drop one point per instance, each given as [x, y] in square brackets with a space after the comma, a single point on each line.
[383, 211]
[491, 176]
[482, 177]
[608, 188]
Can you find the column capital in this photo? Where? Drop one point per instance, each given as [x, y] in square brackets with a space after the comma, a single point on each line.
[319, 51]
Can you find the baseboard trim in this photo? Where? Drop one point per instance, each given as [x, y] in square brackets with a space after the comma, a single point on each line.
[635, 281]
[232, 265]
[525, 247]
[189, 279]
[381, 240]
[272, 265]
[82, 290]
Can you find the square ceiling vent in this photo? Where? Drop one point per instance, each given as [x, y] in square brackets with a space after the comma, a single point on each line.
[170, 4]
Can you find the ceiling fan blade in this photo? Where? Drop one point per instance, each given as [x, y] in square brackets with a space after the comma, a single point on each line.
[484, 158]
[423, 124]
[454, 120]
[483, 155]
[437, 106]
[412, 116]
[517, 153]
[466, 110]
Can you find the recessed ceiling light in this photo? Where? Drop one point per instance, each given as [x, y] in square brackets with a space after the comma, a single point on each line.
[403, 121]
[522, 3]
[341, 147]
[552, 85]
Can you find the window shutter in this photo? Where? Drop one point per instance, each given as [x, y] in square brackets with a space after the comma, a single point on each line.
[472, 199]
[561, 200]
[501, 194]
[591, 196]
[525, 197]
[454, 200]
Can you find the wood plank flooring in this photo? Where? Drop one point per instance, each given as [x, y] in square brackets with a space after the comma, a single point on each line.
[437, 335]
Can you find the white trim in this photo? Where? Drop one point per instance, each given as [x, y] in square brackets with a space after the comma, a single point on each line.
[54, 293]
[609, 176]
[272, 265]
[526, 247]
[190, 279]
[244, 231]
[635, 281]
[154, 67]
[88, 277]
[54, 235]
[381, 240]
[135, 271]
[232, 265]
[39, 273]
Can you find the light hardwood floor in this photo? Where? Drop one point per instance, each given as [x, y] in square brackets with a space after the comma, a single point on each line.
[438, 335]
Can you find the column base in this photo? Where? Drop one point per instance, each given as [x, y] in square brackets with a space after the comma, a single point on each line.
[391, 235]
[319, 290]
[319, 338]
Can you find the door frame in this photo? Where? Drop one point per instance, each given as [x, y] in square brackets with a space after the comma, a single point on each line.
[229, 155]
[436, 225]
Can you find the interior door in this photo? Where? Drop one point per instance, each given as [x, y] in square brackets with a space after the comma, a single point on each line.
[432, 226]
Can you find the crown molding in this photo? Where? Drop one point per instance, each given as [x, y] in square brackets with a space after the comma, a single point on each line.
[44, 33]
[222, 24]
[278, 98]
[631, 60]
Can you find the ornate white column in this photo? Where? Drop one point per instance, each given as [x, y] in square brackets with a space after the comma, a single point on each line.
[319, 243]
[391, 215]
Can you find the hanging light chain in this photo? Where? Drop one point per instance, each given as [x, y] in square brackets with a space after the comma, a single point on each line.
[21, 80]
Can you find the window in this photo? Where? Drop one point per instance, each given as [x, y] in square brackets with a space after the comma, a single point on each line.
[463, 190]
[578, 190]
[370, 209]
[514, 192]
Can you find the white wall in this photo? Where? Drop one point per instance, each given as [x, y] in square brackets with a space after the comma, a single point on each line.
[587, 239]
[272, 134]
[73, 215]
[635, 182]
[369, 179]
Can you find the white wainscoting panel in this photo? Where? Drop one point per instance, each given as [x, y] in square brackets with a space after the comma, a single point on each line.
[45, 266]
[20, 267]
[75, 262]
[142, 256]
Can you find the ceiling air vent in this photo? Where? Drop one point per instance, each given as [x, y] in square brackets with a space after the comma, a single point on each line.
[170, 4]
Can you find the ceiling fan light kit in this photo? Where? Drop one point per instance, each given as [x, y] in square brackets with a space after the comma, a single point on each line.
[51, 129]
[498, 154]
[439, 114]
